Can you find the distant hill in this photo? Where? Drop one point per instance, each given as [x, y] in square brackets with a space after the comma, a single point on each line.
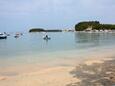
[43, 30]
[95, 25]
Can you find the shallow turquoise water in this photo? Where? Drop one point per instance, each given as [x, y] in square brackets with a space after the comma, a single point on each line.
[31, 48]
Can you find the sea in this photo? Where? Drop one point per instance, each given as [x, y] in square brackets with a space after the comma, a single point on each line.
[32, 49]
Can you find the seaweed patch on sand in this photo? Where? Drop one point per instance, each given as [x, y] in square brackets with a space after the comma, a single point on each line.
[97, 74]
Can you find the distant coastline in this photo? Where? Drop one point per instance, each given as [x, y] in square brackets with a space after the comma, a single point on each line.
[92, 26]
[43, 30]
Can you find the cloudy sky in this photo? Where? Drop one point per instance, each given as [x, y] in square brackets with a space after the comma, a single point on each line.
[20, 15]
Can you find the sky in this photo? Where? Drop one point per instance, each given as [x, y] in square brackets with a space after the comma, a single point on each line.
[21, 15]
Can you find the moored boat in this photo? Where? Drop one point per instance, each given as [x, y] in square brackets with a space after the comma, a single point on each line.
[3, 36]
[16, 36]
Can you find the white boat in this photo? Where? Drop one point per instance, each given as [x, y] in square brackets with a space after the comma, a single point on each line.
[3, 36]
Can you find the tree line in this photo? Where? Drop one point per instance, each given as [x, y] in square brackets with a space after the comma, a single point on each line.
[95, 25]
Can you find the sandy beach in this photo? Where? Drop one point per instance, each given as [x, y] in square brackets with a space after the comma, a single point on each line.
[58, 76]
[52, 76]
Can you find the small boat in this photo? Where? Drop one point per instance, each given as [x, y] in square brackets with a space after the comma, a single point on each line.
[3, 36]
[16, 36]
[46, 38]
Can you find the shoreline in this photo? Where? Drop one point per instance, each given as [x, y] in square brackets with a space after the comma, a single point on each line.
[52, 75]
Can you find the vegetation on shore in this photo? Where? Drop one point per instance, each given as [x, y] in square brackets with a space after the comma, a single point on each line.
[81, 26]
[94, 25]
[43, 30]
[36, 30]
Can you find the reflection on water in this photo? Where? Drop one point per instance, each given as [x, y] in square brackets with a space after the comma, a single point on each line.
[94, 39]
[87, 39]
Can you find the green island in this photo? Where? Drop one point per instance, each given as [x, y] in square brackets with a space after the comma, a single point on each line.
[93, 25]
[36, 30]
[43, 30]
